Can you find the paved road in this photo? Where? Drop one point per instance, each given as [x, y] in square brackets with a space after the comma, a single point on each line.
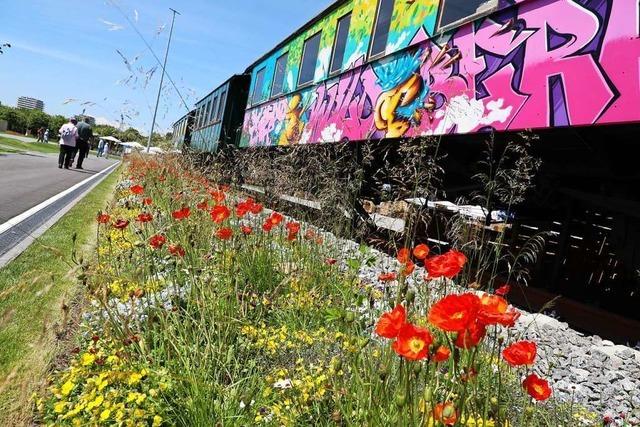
[29, 179]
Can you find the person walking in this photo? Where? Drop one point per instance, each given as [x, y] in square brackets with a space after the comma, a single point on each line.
[68, 134]
[85, 133]
[46, 136]
[40, 134]
[100, 147]
[105, 150]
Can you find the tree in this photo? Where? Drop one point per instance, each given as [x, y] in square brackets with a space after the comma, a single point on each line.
[130, 135]
[105, 130]
[37, 119]
[56, 122]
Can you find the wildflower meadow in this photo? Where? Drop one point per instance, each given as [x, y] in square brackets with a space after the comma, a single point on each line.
[205, 308]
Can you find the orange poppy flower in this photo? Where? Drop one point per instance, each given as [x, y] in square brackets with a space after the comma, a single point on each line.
[412, 342]
[147, 201]
[219, 213]
[421, 251]
[441, 354]
[387, 277]
[537, 387]
[246, 230]
[293, 227]
[203, 205]
[310, 234]
[177, 250]
[446, 265]
[408, 268]
[137, 189]
[121, 224]
[218, 195]
[157, 241]
[275, 218]
[330, 261]
[403, 255]
[224, 233]
[520, 353]
[181, 214]
[391, 322]
[256, 208]
[454, 313]
[144, 217]
[471, 336]
[103, 218]
[445, 413]
[267, 226]
[242, 209]
[495, 310]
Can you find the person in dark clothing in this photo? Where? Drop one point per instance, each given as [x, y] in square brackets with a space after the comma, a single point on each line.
[85, 133]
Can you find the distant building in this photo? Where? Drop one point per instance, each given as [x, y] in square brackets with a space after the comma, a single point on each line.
[81, 117]
[30, 103]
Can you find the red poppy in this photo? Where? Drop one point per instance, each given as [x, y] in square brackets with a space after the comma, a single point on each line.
[471, 336]
[454, 313]
[203, 205]
[387, 277]
[310, 234]
[330, 261]
[391, 322]
[291, 236]
[421, 251]
[412, 342]
[147, 201]
[145, 217]
[293, 227]
[256, 208]
[177, 250]
[403, 255]
[218, 195]
[242, 209]
[446, 265]
[537, 387]
[181, 214]
[246, 230]
[408, 268]
[275, 218]
[219, 213]
[441, 354]
[137, 189]
[267, 226]
[520, 353]
[121, 224]
[224, 233]
[319, 240]
[445, 413]
[503, 290]
[157, 241]
[495, 310]
[103, 218]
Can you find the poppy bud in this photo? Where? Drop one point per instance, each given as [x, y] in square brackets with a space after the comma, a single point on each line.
[417, 368]
[494, 401]
[448, 411]
[427, 394]
[350, 317]
[138, 243]
[401, 399]
[411, 296]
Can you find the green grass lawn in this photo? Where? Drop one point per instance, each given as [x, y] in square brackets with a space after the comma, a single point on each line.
[33, 290]
[9, 144]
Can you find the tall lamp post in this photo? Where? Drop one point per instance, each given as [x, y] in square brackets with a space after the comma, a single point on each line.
[164, 66]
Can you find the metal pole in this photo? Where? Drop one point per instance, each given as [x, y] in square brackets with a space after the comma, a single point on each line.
[164, 66]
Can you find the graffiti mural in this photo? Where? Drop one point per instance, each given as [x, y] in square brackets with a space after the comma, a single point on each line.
[532, 64]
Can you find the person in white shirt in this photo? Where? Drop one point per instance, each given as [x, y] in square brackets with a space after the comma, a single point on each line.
[68, 135]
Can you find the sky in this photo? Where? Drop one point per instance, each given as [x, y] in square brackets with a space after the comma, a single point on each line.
[71, 53]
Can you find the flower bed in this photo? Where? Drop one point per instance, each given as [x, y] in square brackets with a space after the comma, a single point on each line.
[207, 309]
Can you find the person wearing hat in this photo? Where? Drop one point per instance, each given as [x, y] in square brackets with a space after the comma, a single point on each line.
[68, 135]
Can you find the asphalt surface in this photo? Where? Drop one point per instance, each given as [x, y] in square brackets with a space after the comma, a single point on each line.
[28, 179]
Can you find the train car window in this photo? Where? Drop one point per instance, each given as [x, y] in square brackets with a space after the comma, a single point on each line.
[277, 88]
[257, 89]
[381, 28]
[212, 113]
[454, 11]
[344, 24]
[309, 59]
[223, 100]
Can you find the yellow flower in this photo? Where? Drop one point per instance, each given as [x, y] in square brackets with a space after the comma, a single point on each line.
[59, 407]
[67, 387]
[87, 359]
[134, 378]
[104, 415]
[157, 421]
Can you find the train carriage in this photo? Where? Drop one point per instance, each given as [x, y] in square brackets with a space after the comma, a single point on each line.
[392, 70]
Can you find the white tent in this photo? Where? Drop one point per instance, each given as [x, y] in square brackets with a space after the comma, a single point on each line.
[110, 138]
